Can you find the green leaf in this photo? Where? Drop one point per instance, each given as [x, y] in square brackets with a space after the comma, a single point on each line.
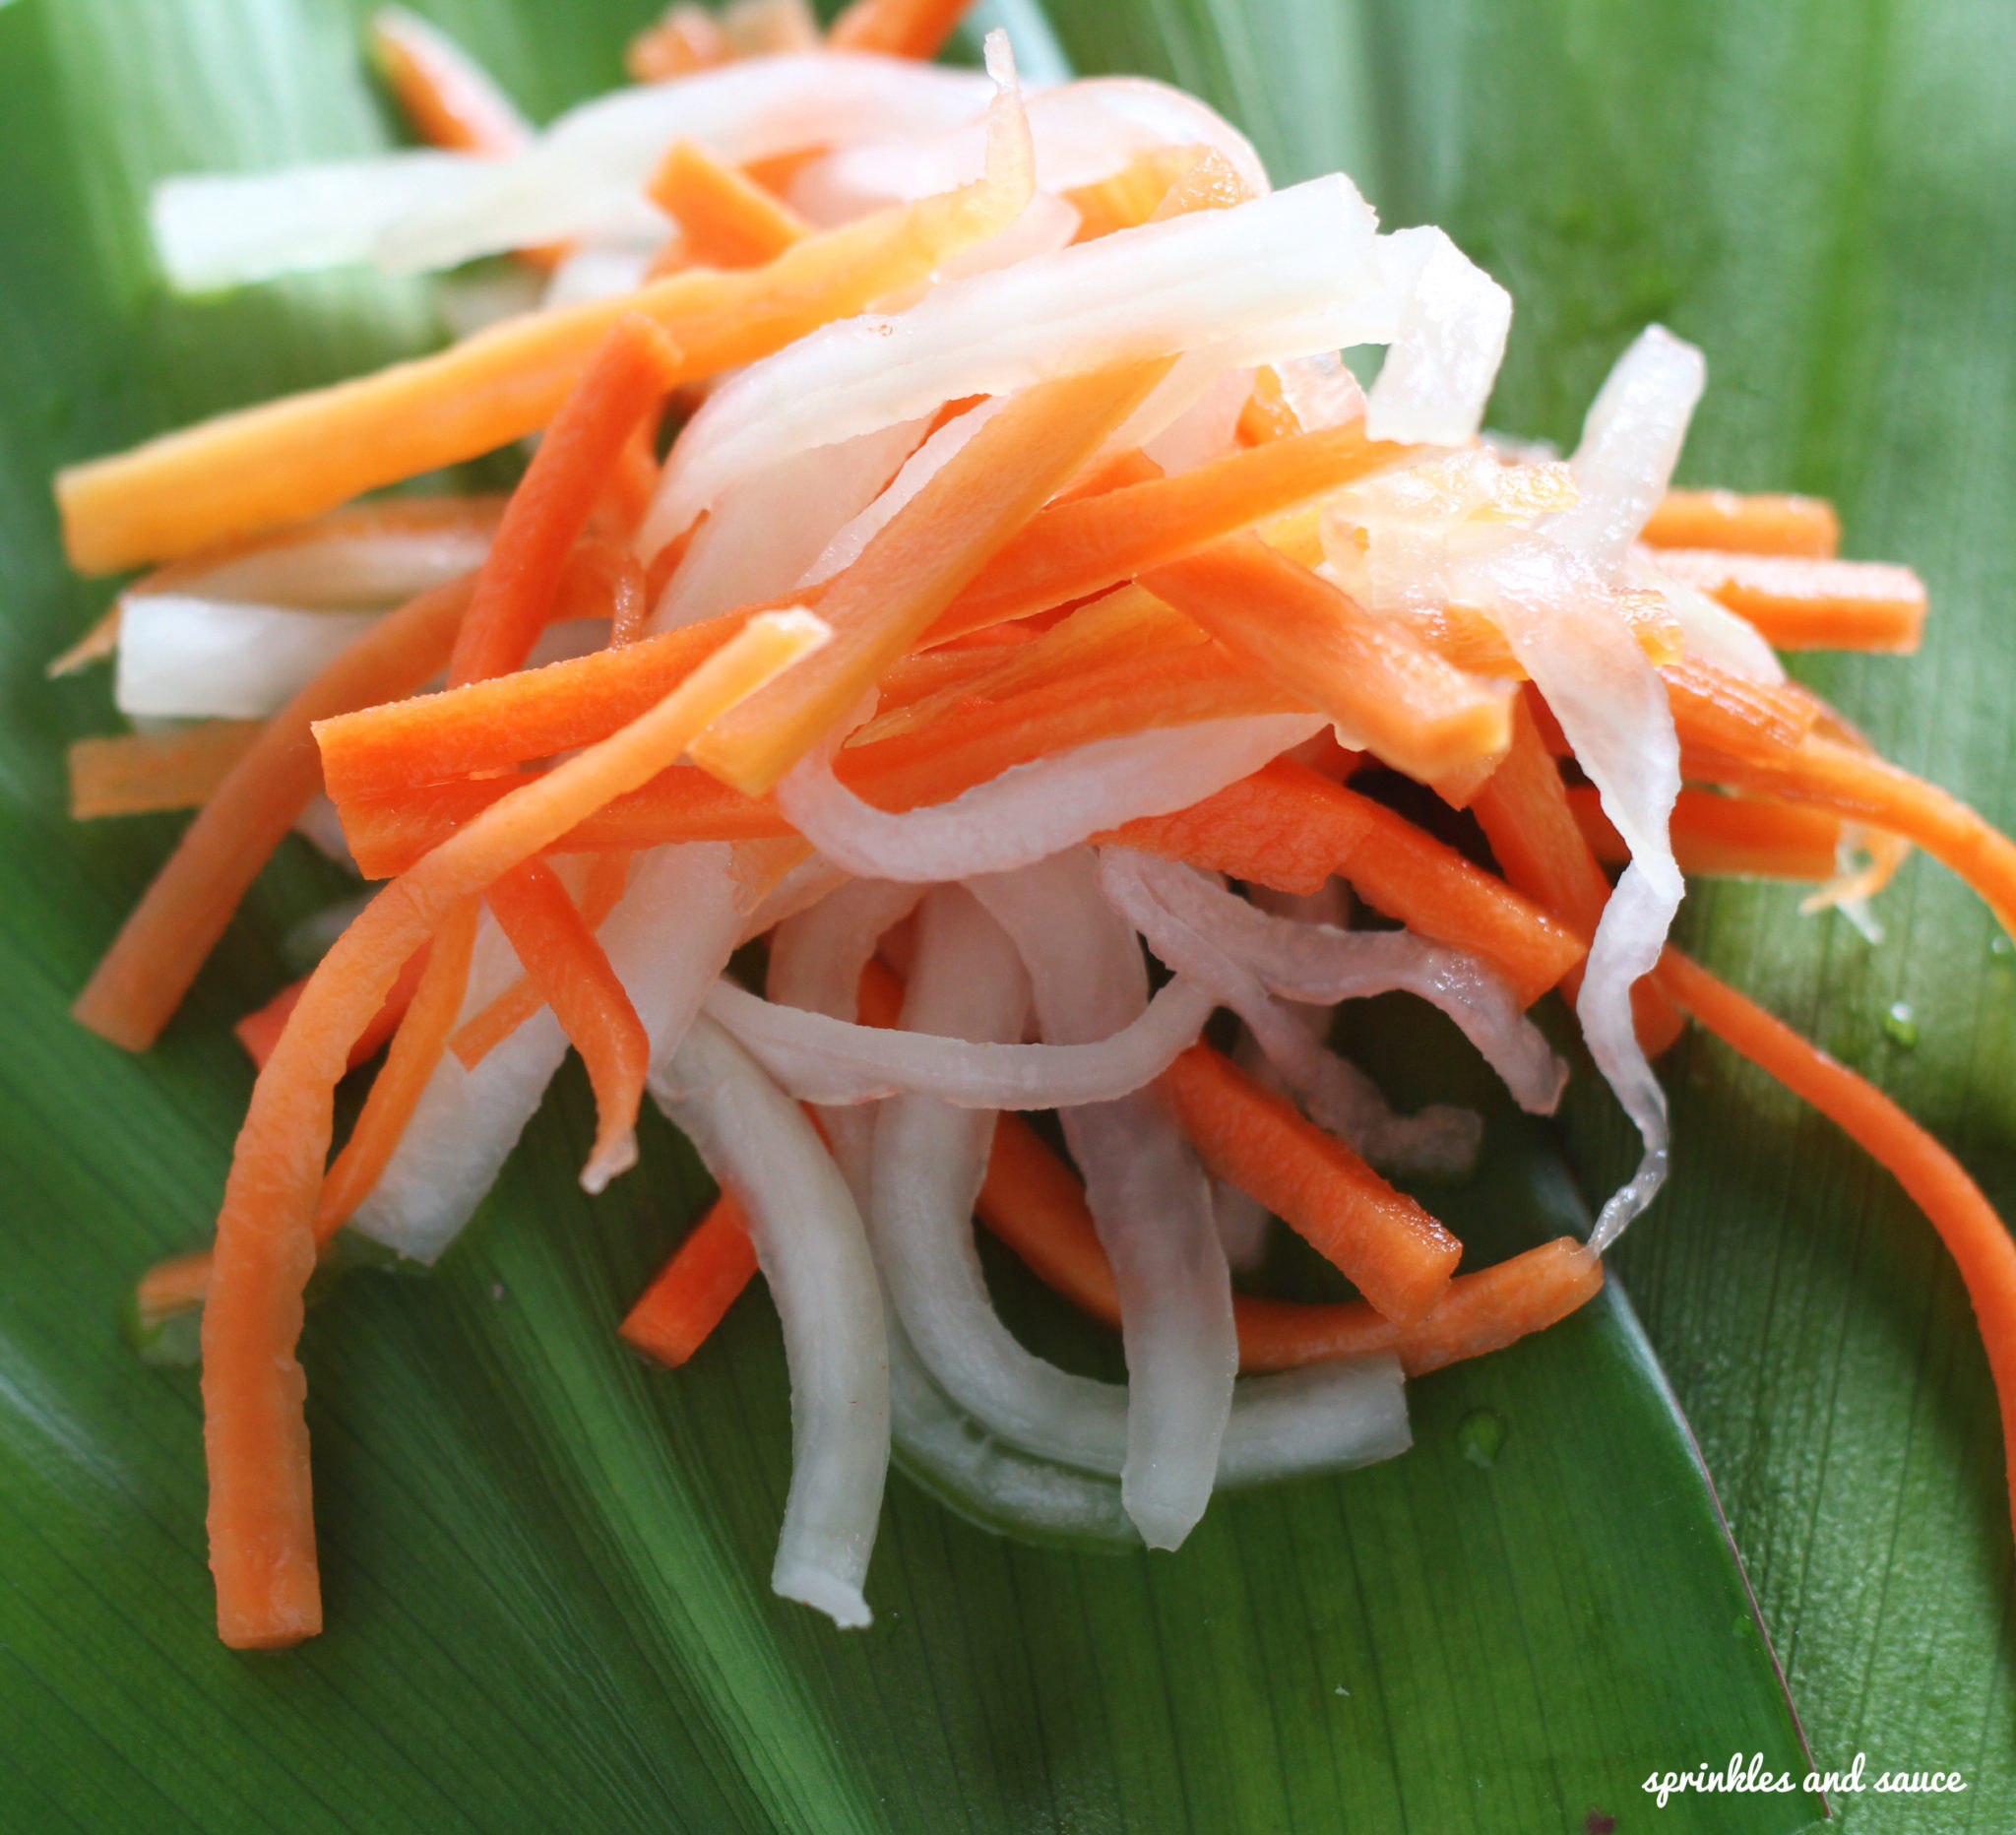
[545, 1566]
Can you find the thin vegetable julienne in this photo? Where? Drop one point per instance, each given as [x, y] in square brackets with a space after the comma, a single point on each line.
[726, 218]
[287, 460]
[261, 1518]
[185, 910]
[1977, 1239]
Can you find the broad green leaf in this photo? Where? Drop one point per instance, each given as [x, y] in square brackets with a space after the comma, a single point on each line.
[545, 1565]
[1820, 196]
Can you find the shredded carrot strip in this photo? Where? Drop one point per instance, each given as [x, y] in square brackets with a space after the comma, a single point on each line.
[449, 101]
[1267, 414]
[1073, 548]
[1716, 709]
[1132, 467]
[692, 1292]
[1309, 638]
[171, 930]
[630, 485]
[1524, 813]
[396, 1091]
[1289, 828]
[132, 772]
[1034, 1203]
[1728, 837]
[1976, 1239]
[770, 28]
[608, 875]
[1756, 525]
[1396, 1254]
[289, 459]
[882, 604]
[1125, 199]
[1826, 774]
[895, 28]
[726, 218]
[685, 40]
[177, 1284]
[261, 1515]
[259, 1030]
[516, 586]
[567, 966]
[1811, 605]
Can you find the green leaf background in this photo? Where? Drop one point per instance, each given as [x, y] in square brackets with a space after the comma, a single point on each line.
[546, 1565]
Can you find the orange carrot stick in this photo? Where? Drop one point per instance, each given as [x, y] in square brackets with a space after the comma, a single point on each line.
[171, 930]
[1034, 1203]
[726, 218]
[1976, 1239]
[1396, 1254]
[567, 966]
[1728, 837]
[608, 874]
[1267, 414]
[624, 380]
[1309, 638]
[692, 1292]
[1524, 813]
[880, 604]
[282, 461]
[684, 39]
[1811, 605]
[450, 100]
[895, 28]
[177, 1284]
[1073, 548]
[396, 1091]
[1131, 196]
[259, 1030]
[1756, 525]
[1289, 828]
[1717, 709]
[132, 772]
[1826, 774]
[261, 1514]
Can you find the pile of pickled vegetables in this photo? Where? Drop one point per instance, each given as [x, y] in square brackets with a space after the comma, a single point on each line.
[1020, 632]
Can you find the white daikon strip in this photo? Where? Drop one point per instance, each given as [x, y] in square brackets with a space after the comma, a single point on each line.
[1034, 810]
[369, 554]
[1446, 346]
[1227, 279]
[763, 537]
[1440, 1141]
[1709, 628]
[595, 160]
[188, 657]
[825, 1060]
[815, 1256]
[1149, 1197]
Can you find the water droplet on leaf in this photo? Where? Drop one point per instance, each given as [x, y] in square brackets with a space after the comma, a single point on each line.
[1480, 1435]
[1901, 1023]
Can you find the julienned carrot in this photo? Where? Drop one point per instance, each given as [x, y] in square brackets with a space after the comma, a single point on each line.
[1524, 813]
[1800, 604]
[607, 874]
[571, 973]
[1396, 1254]
[1034, 1203]
[1826, 774]
[450, 101]
[261, 1515]
[1070, 549]
[1267, 414]
[880, 604]
[1757, 524]
[625, 379]
[177, 1284]
[895, 28]
[1287, 827]
[1408, 705]
[287, 460]
[1728, 837]
[684, 39]
[1718, 710]
[179, 918]
[692, 1292]
[396, 1091]
[1976, 1239]
[132, 772]
[726, 218]
[260, 1029]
